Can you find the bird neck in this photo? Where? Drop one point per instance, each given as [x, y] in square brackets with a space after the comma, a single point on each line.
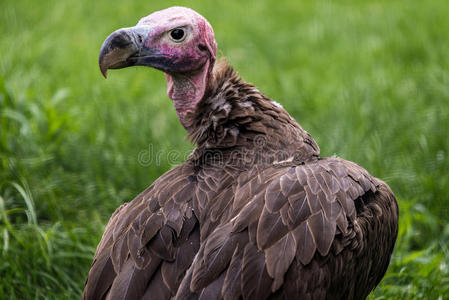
[235, 119]
[186, 90]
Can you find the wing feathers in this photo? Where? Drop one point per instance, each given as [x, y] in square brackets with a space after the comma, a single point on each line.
[299, 209]
[138, 253]
[232, 286]
[279, 257]
[323, 232]
[213, 290]
[119, 253]
[100, 278]
[131, 282]
[215, 255]
[156, 289]
[186, 249]
[162, 244]
[270, 229]
[151, 227]
[306, 244]
[254, 231]
[249, 214]
[256, 283]
[274, 199]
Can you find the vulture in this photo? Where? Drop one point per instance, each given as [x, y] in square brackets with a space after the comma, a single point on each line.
[254, 212]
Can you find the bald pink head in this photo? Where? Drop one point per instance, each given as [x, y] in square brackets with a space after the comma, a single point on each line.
[199, 34]
[176, 40]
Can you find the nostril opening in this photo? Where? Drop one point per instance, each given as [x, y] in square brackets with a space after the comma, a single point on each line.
[139, 38]
[202, 47]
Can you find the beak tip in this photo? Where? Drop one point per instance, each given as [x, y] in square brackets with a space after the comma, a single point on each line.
[104, 70]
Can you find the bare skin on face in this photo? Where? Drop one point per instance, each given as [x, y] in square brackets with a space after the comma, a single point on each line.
[187, 57]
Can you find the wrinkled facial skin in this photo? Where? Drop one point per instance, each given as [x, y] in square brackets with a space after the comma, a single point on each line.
[187, 62]
[149, 43]
[185, 56]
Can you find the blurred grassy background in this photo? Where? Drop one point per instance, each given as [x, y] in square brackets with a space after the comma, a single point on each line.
[369, 80]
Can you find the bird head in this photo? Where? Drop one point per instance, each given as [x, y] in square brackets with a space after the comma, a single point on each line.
[178, 41]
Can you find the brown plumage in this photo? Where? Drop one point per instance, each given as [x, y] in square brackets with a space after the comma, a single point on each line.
[254, 213]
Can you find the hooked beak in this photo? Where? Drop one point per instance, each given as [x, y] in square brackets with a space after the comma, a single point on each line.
[126, 47]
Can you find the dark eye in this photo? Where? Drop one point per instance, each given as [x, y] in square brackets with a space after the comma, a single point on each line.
[177, 34]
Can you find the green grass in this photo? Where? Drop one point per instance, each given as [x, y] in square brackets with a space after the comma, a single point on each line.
[368, 79]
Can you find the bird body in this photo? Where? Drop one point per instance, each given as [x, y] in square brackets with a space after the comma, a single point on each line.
[255, 212]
